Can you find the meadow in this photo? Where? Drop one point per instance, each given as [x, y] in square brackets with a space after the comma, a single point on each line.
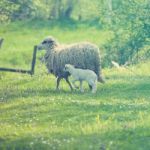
[35, 116]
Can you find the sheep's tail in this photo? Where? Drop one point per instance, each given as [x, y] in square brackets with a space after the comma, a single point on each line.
[98, 68]
[101, 79]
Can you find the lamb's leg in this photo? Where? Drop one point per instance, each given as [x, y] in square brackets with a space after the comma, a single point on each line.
[93, 85]
[58, 82]
[81, 88]
[67, 80]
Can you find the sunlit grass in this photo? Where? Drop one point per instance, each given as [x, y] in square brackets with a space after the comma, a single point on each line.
[19, 39]
[35, 116]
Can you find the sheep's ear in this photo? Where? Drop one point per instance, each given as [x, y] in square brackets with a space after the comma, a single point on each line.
[50, 41]
[75, 66]
[47, 41]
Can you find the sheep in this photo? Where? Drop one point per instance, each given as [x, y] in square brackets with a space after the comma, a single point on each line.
[82, 55]
[82, 75]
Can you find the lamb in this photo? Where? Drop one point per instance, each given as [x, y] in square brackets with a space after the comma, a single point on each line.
[82, 55]
[82, 75]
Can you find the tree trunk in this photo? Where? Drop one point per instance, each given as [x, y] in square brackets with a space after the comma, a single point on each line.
[56, 10]
[66, 12]
[109, 10]
[69, 9]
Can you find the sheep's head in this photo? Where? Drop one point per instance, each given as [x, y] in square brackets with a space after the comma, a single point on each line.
[47, 43]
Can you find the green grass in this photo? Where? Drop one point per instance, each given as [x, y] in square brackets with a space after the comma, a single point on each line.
[22, 36]
[35, 116]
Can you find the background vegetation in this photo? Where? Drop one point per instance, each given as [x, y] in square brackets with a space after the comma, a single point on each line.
[34, 116]
[128, 20]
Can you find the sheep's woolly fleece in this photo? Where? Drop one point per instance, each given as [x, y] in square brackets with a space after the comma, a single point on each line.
[82, 55]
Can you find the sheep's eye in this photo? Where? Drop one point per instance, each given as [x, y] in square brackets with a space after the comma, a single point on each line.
[44, 42]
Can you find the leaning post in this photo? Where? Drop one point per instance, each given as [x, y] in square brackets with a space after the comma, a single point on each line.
[33, 60]
[1, 41]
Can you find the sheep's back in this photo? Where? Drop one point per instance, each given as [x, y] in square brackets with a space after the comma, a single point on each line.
[81, 55]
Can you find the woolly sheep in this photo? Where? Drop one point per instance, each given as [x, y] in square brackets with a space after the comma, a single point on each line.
[82, 75]
[82, 55]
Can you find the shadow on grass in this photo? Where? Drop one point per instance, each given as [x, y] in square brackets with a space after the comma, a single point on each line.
[126, 89]
[72, 109]
[137, 138]
[46, 104]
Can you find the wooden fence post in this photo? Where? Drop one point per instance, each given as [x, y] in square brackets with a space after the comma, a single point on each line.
[1, 41]
[31, 71]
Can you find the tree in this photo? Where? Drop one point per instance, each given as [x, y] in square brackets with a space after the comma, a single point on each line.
[25, 9]
[55, 10]
[61, 9]
[131, 26]
[6, 10]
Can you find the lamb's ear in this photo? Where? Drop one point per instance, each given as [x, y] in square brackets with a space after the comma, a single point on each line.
[65, 67]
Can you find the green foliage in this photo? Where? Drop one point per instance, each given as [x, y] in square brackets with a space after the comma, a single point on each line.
[131, 26]
[25, 9]
[29, 33]
[35, 116]
[6, 9]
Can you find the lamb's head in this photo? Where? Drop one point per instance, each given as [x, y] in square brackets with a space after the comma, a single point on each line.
[47, 44]
[68, 67]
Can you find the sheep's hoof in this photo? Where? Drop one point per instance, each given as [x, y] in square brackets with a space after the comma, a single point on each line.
[82, 91]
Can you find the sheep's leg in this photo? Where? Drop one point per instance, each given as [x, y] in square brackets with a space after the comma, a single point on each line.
[90, 87]
[67, 80]
[73, 82]
[58, 82]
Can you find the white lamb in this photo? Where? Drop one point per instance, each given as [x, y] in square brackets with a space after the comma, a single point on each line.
[82, 75]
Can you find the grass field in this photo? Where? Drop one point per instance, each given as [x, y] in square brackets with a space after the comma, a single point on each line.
[35, 116]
